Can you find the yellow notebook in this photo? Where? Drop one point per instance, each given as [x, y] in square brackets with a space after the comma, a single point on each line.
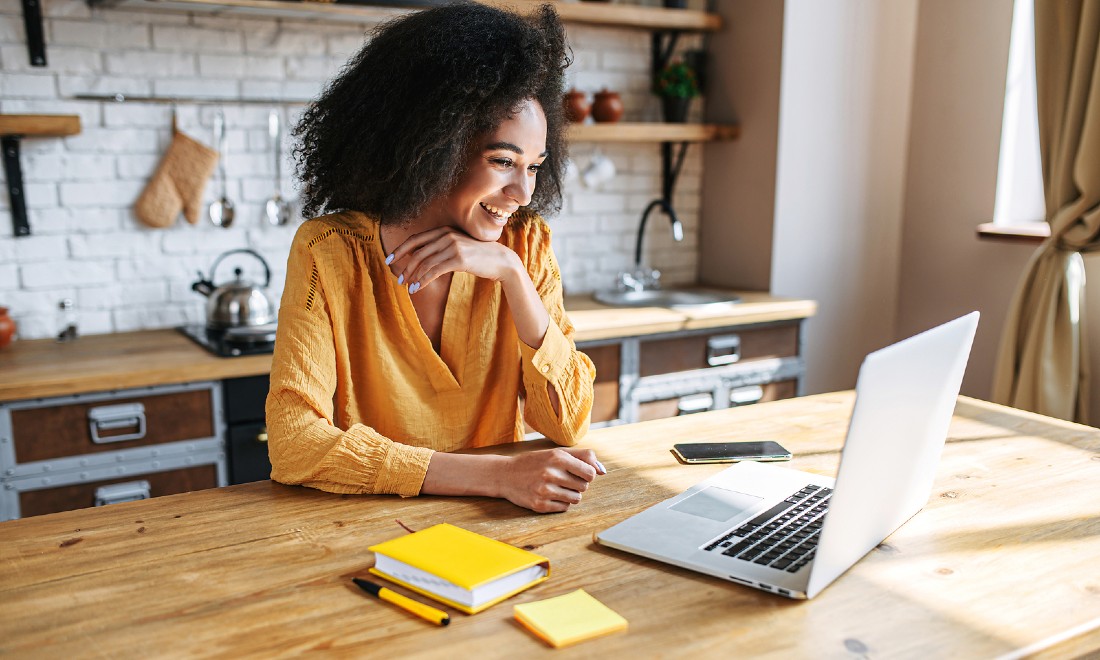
[465, 570]
[569, 619]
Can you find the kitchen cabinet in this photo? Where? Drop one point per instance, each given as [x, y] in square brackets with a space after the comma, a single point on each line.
[83, 450]
[246, 432]
[675, 373]
[171, 417]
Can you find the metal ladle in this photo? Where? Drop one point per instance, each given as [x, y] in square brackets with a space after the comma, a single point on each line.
[277, 208]
[221, 210]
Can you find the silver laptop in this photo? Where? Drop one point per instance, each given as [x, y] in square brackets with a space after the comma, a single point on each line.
[793, 533]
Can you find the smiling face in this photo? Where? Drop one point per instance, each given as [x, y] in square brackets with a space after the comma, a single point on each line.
[500, 175]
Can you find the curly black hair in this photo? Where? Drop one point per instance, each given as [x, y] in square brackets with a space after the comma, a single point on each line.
[394, 129]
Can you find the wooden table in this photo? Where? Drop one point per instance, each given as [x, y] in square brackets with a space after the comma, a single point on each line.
[1001, 562]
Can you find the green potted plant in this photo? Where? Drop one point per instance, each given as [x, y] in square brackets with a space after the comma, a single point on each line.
[676, 83]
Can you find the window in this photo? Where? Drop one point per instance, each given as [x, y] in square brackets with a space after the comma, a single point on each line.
[1019, 202]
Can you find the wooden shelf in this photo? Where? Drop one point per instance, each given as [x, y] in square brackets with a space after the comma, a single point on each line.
[612, 15]
[652, 132]
[39, 125]
[13, 128]
[624, 15]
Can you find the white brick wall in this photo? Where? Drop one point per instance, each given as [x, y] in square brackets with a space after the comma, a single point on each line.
[85, 243]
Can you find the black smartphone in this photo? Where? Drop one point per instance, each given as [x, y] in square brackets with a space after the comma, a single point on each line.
[730, 452]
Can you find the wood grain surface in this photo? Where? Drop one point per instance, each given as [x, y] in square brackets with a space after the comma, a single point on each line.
[595, 321]
[651, 132]
[43, 367]
[39, 125]
[612, 15]
[94, 363]
[1001, 561]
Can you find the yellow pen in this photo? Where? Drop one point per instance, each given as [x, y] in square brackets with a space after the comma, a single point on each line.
[421, 610]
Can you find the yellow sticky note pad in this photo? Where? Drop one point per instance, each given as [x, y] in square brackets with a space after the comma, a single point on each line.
[568, 619]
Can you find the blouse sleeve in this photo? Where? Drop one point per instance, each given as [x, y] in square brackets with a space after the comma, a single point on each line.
[305, 446]
[557, 362]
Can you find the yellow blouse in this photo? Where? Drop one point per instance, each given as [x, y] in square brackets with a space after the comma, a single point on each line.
[360, 400]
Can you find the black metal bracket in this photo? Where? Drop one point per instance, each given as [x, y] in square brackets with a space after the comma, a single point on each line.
[36, 39]
[14, 174]
[664, 44]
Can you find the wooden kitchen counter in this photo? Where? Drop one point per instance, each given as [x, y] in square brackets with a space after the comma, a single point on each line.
[93, 363]
[594, 321]
[41, 368]
[1000, 563]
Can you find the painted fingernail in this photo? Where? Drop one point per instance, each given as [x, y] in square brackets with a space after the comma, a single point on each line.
[603, 470]
[401, 278]
[389, 259]
[414, 287]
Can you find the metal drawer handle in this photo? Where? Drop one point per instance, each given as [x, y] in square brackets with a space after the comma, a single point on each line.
[694, 403]
[262, 435]
[124, 415]
[743, 396]
[124, 492]
[723, 349]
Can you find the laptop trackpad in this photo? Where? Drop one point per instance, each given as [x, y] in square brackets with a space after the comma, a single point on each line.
[717, 503]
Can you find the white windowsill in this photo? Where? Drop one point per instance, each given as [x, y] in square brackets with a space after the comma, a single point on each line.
[1035, 232]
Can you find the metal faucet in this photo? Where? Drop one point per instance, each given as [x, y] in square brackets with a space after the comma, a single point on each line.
[639, 281]
[643, 279]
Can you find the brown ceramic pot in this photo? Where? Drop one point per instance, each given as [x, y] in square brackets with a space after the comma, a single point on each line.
[608, 107]
[575, 105]
[7, 327]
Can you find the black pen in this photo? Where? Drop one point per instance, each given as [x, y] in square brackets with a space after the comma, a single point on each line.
[421, 610]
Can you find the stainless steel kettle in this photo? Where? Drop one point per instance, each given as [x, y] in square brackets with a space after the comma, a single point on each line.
[239, 303]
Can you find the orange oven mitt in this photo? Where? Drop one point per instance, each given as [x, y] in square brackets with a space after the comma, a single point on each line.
[177, 184]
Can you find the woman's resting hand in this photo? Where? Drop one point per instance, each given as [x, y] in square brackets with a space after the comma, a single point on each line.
[546, 481]
[550, 480]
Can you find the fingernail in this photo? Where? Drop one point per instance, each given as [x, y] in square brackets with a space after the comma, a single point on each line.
[603, 470]
[389, 259]
[414, 287]
[401, 278]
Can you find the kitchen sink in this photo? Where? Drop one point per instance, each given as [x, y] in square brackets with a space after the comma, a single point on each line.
[665, 298]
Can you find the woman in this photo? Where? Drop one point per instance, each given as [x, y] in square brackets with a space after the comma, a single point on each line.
[423, 313]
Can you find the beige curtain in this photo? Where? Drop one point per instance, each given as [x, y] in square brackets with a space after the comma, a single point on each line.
[1042, 364]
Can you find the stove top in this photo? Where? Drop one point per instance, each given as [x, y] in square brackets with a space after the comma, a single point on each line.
[233, 342]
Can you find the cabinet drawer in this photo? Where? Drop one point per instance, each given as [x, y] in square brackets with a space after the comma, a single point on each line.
[691, 403]
[72, 429]
[83, 495]
[605, 399]
[662, 356]
[684, 405]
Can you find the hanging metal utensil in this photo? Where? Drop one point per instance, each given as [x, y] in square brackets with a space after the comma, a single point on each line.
[277, 208]
[221, 210]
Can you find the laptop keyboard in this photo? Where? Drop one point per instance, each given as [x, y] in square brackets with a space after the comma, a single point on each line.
[783, 537]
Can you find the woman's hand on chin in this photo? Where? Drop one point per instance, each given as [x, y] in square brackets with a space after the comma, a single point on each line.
[424, 257]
